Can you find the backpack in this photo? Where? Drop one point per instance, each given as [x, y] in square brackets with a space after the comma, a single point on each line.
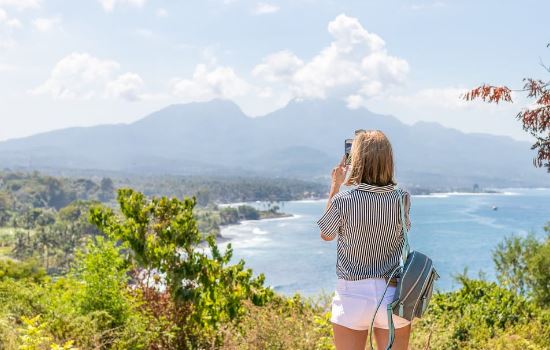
[416, 276]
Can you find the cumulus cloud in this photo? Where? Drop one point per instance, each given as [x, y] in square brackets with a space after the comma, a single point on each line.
[21, 4]
[208, 83]
[127, 86]
[109, 5]
[9, 22]
[83, 76]
[355, 66]
[355, 101]
[280, 66]
[263, 8]
[46, 24]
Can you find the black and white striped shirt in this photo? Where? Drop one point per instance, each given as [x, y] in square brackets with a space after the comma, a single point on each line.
[367, 222]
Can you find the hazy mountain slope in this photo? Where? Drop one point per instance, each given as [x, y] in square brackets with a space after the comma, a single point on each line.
[303, 139]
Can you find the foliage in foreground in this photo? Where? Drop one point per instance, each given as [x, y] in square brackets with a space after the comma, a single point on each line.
[482, 315]
[152, 283]
[163, 238]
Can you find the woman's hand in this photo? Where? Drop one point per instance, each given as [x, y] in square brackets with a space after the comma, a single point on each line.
[339, 174]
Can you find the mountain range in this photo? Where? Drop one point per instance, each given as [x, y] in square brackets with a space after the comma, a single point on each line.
[305, 139]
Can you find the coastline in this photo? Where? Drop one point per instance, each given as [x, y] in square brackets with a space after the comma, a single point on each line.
[224, 239]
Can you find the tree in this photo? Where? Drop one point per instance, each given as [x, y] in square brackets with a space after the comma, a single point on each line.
[535, 120]
[107, 190]
[6, 204]
[522, 264]
[102, 269]
[163, 240]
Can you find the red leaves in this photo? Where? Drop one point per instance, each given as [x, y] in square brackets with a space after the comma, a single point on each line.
[534, 87]
[543, 152]
[536, 120]
[537, 123]
[489, 93]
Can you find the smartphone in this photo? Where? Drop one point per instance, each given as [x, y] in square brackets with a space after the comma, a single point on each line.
[347, 150]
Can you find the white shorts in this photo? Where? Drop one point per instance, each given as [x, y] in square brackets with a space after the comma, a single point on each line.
[354, 303]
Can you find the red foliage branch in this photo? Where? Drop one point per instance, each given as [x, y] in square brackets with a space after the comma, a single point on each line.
[536, 120]
[489, 93]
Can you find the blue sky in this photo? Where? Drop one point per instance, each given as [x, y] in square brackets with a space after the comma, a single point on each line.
[86, 62]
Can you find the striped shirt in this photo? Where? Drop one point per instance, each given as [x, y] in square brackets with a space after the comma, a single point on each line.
[370, 237]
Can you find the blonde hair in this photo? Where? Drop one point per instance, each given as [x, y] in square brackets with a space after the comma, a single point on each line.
[371, 159]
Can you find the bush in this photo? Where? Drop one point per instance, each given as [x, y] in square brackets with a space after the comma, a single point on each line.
[163, 238]
[284, 323]
[523, 265]
[21, 270]
[478, 314]
[102, 272]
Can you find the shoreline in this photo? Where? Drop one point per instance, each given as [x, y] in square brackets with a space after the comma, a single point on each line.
[506, 191]
[222, 239]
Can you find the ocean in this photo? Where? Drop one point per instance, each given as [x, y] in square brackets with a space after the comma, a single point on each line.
[457, 230]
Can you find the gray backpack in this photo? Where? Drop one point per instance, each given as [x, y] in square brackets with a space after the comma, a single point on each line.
[416, 276]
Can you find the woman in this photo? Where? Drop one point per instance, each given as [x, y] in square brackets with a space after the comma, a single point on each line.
[366, 220]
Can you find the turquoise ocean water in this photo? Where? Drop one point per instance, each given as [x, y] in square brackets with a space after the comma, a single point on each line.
[457, 230]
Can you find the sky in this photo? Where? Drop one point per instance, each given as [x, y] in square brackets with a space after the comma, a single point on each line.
[88, 62]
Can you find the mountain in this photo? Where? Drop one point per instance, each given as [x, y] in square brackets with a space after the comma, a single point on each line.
[304, 139]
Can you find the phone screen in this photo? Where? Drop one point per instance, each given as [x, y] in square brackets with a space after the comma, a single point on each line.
[347, 149]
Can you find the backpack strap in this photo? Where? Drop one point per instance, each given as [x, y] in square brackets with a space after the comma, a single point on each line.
[391, 326]
[390, 308]
[404, 254]
[406, 247]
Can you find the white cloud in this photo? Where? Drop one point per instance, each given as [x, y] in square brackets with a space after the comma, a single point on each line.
[263, 8]
[21, 4]
[206, 84]
[161, 12]
[83, 76]
[355, 66]
[355, 101]
[127, 86]
[46, 24]
[9, 22]
[109, 5]
[280, 66]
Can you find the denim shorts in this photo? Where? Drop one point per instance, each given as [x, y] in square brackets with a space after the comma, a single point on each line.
[354, 303]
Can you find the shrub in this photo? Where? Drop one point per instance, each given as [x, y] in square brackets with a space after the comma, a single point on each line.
[163, 238]
[523, 265]
[476, 315]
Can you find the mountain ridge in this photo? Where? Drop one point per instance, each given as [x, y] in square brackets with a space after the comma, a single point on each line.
[303, 139]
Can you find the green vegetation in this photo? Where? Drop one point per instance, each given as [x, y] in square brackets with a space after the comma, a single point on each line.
[142, 285]
[208, 190]
[212, 218]
[46, 218]
[145, 275]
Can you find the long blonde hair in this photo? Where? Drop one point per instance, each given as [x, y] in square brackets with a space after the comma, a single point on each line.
[371, 159]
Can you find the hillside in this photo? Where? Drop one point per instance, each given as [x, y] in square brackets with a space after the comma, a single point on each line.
[303, 139]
